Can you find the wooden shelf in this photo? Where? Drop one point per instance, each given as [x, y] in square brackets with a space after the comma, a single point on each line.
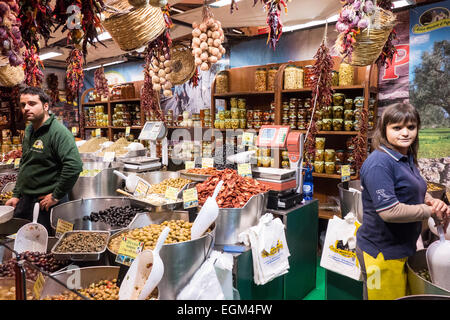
[95, 127]
[125, 100]
[330, 176]
[327, 214]
[342, 133]
[132, 127]
[241, 93]
[354, 87]
[94, 103]
[176, 127]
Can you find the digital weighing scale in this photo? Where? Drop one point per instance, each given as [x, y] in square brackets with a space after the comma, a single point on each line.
[152, 131]
[141, 164]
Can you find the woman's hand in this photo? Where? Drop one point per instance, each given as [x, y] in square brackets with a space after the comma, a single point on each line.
[440, 212]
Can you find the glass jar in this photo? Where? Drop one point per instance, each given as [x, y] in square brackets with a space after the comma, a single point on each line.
[348, 125]
[242, 113]
[337, 167]
[339, 156]
[290, 77]
[293, 124]
[338, 99]
[338, 112]
[349, 143]
[319, 114]
[285, 106]
[228, 124]
[292, 115]
[327, 112]
[346, 73]
[349, 156]
[256, 124]
[327, 124]
[285, 155]
[370, 125]
[249, 114]
[348, 104]
[319, 166]
[307, 103]
[221, 115]
[260, 79]
[348, 114]
[266, 161]
[308, 72]
[371, 114]
[285, 164]
[222, 82]
[257, 115]
[300, 78]
[227, 114]
[234, 113]
[330, 155]
[358, 102]
[319, 155]
[320, 143]
[319, 125]
[271, 75]
[330, 167]
[217, 124]
[233, 102]
[293, 104]
[338, 124]
[234, 123]
[356, 125]
[249, 124]
[285, 120]
[242, 103]
[334, 78]
[301, 125]
[372, 102]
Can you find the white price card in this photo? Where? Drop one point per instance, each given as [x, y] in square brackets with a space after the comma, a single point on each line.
[245, 169]
[247, 139]
[207, 162]
[127, 131]
[141, 188]
[189, 165]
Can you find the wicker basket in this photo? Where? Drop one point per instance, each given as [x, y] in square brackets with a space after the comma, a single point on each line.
[131, 28]
[370, 42]
[10, 76]
[183, 64]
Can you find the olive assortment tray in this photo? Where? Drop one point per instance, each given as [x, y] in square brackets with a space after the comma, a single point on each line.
[80, 256]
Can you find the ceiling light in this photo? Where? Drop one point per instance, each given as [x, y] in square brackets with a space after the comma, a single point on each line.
[402, 3]
[105, 64]
[177, 10]
[50, 54]
[237, 31]
[221, 3]
[311, 24]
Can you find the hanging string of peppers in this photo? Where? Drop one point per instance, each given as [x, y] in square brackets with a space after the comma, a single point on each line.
[33, 68]
[74, 74]
[273, 9]
[52, 85]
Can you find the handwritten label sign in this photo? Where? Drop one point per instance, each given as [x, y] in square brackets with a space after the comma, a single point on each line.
[98, 132]
[128, 251]
[127, 131]
[345, 173]
[189, 165]
[109, 156]
[207, 162]
[190, 198]
[245, 169]
[10, 161]
[16, 162]
[63, 227]
[248, 138]
[171, 193]
[38, 285]
[74, 131]
[141, 188]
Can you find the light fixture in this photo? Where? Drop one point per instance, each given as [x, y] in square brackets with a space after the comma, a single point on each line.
[237, 31]
[310, 24]
[50, 53]
[221, 3]
[177, 10]
[402, 3]
[110, 63]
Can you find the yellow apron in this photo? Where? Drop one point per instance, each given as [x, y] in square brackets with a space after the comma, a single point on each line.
[386, 279]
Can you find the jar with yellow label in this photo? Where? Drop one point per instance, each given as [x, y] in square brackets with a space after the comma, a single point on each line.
[242, 103]
[233, 102]
[235, 123]
[330, 155]
[346, 74]
[338, 99]
[222, 82]
[338, 124]
[217, 124]
[319, 166]
[320, 143]
[290, 77]
[271, 75]
[329, 167]
[242, 123]
[338, 112]
[234, 113]
[327, 124]
[319, 155]
[260, 79]
[348, 125]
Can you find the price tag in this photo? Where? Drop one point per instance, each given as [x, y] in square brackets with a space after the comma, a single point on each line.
[74, 131]
[63, 227]
[109, 156]
[247, 139]
[189, 165]
[245, 169]
[10, 161]
[16, 162]
[345, 173]
[128, 251]
[38, 285]
[190, 198]
[98, 132]
[207, 162]
[127, 131]
[141, 188]
[171, 193]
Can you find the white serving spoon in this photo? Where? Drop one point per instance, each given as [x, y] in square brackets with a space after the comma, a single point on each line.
[131, 180]
[32, 236]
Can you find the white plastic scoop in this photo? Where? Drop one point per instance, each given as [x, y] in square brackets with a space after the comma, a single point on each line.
[207, 215]
[6, 213]
[131, 180]
[438, 260]
[32, 236]
[157, 270]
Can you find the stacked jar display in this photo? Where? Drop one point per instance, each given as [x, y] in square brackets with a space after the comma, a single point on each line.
[296, 113]
[96, 117]
[259, 117]
[293, 77]
[330, 161]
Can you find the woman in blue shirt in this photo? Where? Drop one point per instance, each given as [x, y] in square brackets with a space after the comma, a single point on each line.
[395, 203]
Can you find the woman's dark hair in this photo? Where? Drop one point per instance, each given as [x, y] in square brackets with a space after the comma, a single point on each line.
[397, 113]
[36, 91]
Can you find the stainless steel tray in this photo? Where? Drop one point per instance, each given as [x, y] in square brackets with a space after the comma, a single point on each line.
[80, 256]
[194, 176]
[273, 173]
[140, 160]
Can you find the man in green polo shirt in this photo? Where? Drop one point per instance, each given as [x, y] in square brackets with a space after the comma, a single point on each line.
[50, 163]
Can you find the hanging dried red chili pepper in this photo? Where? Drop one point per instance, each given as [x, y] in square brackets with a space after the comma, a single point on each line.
[100, 82]
[52, 85]
[74, 74]
[273, 9]
[195, 78]
[32, 67]
[360, 140]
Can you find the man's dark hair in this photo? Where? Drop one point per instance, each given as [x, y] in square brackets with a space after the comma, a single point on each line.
[36, 91]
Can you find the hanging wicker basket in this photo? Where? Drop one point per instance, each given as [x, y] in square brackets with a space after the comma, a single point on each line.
[370, 42]
[132, 28]
[183, 64]
[10, 76]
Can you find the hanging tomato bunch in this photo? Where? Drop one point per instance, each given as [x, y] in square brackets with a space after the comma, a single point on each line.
[207, 38]
[10, 37]
[100, 82]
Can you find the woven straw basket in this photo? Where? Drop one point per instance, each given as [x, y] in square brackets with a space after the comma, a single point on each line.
[370, 42]
[131, 28]
[10, 76]
[183, 64]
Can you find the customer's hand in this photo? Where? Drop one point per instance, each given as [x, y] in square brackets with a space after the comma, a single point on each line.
[440, 212]
[12, 202]
[47, 201]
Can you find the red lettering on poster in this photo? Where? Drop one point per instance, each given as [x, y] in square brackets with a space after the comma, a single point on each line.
[398, 60]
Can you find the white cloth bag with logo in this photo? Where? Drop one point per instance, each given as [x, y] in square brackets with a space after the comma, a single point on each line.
[270, 251]
[339, 249]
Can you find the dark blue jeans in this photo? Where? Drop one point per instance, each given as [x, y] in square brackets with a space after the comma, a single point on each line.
[24, 210]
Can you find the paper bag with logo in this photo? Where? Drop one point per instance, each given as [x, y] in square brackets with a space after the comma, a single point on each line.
[270, 251]
[339, 249]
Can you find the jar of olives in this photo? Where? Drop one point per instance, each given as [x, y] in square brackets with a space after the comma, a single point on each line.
[228, 124]
[327, 112]
[338, 124]
[320, 143]
[319, 125]
[285, 164]
[348, 114]
[234, 113]
[307, 103]
[348, 125]
[293, 124]
[235, 123]
[271, 75]
[329, 167]
[319, 166]
[222, 82]
[338, 112]
[338, 99]
[261, 79]
[330, 155]
[334, 78]
[292, 115]
[346, 73]
[285, 106]
[242, 113]
[327, 124]
[349, 143]
[242, 103]
[348, 104]
[302, 114]
[319, 155]
[293, 104]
